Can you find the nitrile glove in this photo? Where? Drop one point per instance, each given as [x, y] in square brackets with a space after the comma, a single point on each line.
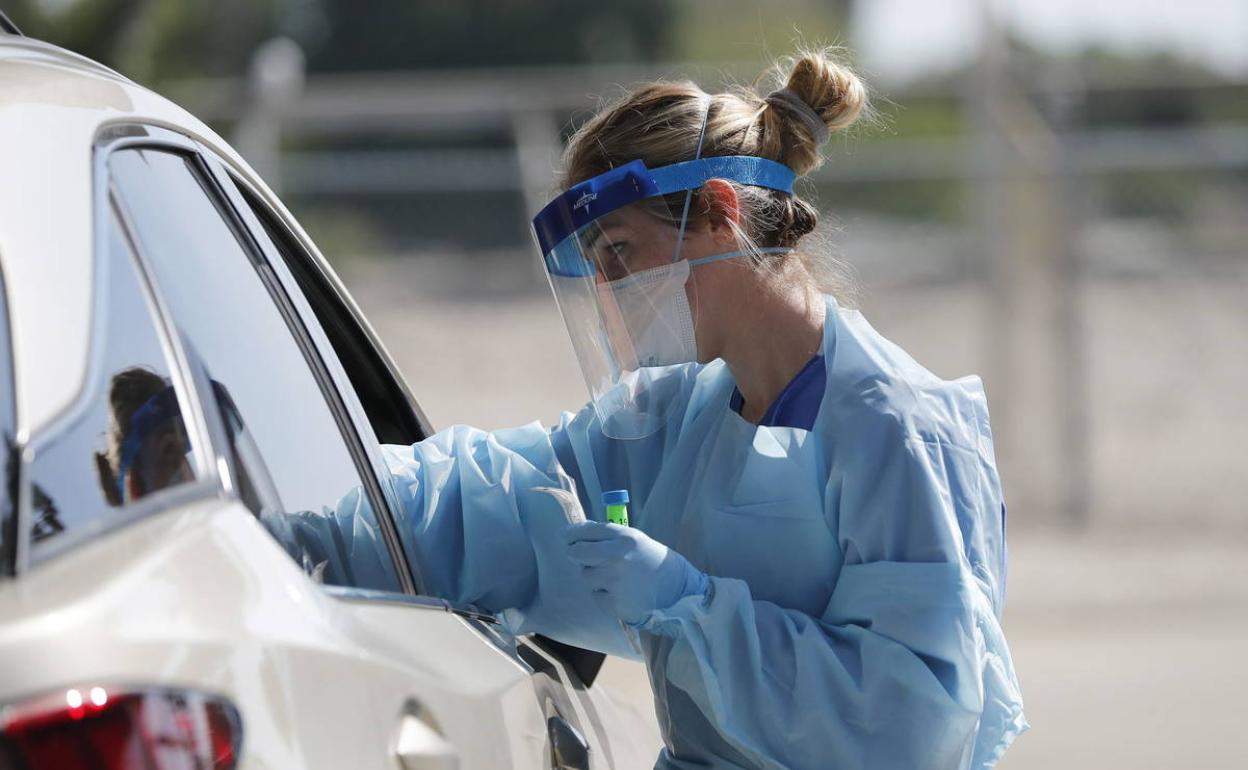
[631, 573]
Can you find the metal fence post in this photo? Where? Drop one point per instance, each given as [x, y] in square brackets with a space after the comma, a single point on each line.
[274, 82]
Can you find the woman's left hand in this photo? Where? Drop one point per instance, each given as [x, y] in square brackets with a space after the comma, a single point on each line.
[630, 572]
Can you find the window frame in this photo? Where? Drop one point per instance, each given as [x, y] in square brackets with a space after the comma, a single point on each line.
[332, 286]
[233, 183]
[585, 663]
[229, 181]
[203, 159]
[207, 483]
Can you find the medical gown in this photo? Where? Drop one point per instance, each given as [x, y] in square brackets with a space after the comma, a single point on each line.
[857, 569]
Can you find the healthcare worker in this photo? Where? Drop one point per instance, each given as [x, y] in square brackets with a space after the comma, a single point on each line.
[815, 571]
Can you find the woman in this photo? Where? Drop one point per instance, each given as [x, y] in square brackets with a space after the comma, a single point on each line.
[815, 568]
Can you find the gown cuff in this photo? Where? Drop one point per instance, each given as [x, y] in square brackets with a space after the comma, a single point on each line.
[689, 607]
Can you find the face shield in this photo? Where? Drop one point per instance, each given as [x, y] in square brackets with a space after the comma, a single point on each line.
[612, 253]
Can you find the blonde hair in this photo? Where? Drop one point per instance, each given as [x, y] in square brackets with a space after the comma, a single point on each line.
[661, 122]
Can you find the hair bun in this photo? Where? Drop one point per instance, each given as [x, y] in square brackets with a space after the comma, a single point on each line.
[831, 89]
[816, 96]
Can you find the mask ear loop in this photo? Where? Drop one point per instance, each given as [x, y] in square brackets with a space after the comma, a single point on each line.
[684, 216]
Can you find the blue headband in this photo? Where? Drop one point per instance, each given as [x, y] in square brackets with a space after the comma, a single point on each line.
[631, 182]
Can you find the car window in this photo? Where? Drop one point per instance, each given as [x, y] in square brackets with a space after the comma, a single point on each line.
[294, 468]
[126, 438]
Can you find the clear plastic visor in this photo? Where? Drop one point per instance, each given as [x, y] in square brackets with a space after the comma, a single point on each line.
[612, 252]
[626, 305]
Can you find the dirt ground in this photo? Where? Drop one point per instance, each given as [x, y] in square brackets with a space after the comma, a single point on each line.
[1129, 635]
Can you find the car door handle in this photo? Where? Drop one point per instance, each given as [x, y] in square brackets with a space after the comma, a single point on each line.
[420, 747]
[569, 750]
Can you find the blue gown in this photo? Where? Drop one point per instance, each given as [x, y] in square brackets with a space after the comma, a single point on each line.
[857, 568]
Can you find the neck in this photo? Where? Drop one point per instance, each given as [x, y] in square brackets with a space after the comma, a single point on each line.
[772, 340]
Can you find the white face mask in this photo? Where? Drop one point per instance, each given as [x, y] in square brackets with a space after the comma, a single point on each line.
[654, 306]
[655, 310]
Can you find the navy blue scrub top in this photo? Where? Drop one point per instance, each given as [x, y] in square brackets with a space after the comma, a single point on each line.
[798, 404]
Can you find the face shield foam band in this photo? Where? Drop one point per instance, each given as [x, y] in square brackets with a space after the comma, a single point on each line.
[624, 185]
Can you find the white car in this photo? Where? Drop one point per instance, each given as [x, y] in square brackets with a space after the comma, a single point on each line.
[199, 560]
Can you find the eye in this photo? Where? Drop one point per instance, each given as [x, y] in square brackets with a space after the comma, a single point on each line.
[613, 258]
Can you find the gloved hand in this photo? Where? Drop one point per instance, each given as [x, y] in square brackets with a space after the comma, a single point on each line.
[629, 572]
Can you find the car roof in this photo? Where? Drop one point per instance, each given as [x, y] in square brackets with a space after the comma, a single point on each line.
[53, 106]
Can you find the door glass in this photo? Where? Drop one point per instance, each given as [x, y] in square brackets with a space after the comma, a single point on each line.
[126, 438]
[295, 469]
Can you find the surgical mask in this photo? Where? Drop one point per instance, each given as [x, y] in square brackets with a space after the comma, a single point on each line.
[654, 305]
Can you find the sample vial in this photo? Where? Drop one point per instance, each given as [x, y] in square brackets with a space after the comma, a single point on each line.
[617, 506]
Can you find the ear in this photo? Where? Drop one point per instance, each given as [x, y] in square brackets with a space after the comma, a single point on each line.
[723, 208]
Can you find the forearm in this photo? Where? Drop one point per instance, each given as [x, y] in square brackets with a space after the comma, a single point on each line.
[478, 515]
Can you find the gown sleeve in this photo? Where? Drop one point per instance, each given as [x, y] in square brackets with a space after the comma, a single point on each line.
[339, 547]
[482, 515]
[905, 665]
[482, 518]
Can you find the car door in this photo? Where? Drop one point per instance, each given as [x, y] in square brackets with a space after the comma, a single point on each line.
[577, 715]
[408, 678]
[141, 577]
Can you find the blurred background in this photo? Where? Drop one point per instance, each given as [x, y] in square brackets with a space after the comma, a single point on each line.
[1055, 198]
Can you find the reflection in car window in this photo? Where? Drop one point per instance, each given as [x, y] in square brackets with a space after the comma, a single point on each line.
[128, 440]
[295, 471]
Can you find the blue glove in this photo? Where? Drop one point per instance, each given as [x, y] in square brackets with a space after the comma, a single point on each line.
[630, 573]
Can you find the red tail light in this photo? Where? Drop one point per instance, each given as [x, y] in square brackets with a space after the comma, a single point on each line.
[94, 728]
